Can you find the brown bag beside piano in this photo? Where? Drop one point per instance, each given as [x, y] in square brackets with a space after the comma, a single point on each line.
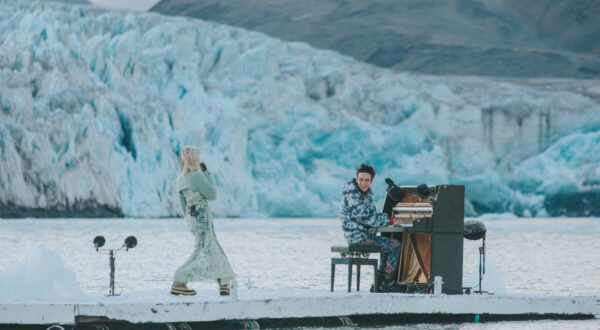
[430, 226]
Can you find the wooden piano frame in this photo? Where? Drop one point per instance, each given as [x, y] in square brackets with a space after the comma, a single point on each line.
[433, 246]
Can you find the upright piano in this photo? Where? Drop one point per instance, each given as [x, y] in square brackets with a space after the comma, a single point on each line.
[430, 225]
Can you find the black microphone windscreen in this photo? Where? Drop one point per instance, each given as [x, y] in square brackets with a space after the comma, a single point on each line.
[423, 190]
[474, 230]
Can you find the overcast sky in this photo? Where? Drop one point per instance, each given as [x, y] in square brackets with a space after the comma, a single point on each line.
[125, 4]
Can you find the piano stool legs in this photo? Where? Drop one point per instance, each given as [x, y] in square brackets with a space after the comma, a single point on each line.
[332, 274]
[349, 276]
[354, 261]
[357, 278]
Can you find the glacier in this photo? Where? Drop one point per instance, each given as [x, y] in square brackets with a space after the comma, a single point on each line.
[96, 104]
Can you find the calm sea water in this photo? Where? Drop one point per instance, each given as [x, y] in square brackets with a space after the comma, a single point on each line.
[557, 256]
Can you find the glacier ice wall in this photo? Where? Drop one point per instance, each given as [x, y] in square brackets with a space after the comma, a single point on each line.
[96, 104]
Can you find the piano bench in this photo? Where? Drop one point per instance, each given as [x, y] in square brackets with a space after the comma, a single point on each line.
[354, 255]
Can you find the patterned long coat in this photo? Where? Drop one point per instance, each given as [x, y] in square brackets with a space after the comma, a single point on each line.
[208, 261]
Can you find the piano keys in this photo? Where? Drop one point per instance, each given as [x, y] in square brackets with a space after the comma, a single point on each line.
[405, 213]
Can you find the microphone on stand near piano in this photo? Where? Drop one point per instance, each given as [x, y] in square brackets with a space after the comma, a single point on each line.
[475, 230]
[441, 219]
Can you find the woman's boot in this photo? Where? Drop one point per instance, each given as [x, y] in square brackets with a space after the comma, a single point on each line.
[181, 289]
[223, 289]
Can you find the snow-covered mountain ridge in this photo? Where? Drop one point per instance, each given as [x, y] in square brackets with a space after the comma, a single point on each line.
[95, 106]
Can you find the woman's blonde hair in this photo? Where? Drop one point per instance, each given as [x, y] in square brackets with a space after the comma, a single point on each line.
[190, 159]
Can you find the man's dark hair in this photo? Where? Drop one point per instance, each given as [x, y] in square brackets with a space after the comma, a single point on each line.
[366, 169]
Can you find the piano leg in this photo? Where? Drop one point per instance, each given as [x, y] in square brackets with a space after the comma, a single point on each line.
[357, 277]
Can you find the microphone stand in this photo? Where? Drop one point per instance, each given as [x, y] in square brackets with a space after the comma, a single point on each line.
[481, 266]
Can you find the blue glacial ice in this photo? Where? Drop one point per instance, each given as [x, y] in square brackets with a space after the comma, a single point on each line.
[96, 104]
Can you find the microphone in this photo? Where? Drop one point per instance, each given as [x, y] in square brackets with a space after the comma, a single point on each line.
[396, 191]
[390, 182]
[423, 190]
[474, 230]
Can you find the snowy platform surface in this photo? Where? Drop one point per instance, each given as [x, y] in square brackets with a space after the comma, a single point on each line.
[161, 307]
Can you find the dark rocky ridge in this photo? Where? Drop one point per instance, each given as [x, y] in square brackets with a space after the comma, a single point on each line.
[577, 204]
[508, 38]
[83, 209]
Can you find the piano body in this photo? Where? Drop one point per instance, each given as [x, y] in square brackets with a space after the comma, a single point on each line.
[431, 229]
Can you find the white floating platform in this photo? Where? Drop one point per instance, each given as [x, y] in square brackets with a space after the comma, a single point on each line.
[257, 304]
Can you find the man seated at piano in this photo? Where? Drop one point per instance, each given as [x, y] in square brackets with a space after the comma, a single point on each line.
[360, 221]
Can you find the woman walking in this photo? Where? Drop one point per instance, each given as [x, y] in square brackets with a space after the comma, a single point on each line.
[196, 186]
